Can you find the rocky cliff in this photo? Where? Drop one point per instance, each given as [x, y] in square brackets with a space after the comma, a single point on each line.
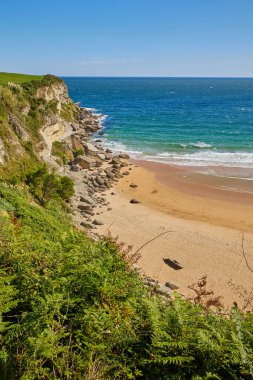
[32, 117]
[40, 124]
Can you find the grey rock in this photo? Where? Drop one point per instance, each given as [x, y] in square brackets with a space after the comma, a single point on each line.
[171, 285]
[108, 156]
[84, 207]
[86, 199]
[164, 290]
[98, 164]
[125, 156]
[97, 222]
[85, 162]
[115, 161]
[90, 150]
[99, 180]
[101, 156]
[75, 168]
[75, 126]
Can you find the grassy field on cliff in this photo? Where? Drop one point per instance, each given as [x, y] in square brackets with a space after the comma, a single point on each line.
[17, 78]
[73, 308]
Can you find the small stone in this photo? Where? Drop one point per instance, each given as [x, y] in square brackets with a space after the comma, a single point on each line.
[125, 173]
[133, 185]
[99, 180]
[113, 193]
[124, 156]
[171, 285]
[97, 222]
[86, 199]
[101, 156]
[109, 209]
[134, 201]
[84, 206]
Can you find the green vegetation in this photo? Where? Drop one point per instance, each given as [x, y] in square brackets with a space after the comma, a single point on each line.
[68, 112]
[78, 152]
[72, 308]
[46, 186]
[60, 150]
[17, 78]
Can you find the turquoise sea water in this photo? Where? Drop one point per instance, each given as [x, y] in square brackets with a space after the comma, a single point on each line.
[195, 121]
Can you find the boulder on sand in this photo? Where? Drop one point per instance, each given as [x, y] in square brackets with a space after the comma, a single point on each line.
[90, 150]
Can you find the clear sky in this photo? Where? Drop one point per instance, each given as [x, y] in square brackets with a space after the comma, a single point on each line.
[127, 37]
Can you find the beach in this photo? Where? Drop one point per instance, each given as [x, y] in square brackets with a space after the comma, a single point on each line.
[190, 147]
[202, 221]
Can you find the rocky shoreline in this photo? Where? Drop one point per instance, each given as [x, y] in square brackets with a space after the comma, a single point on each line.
[95, 170]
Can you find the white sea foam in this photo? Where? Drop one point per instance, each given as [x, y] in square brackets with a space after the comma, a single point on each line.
[101, 117]
[199, 144]
[207, 158]
[93, 110]
[202, 158]
[118, 147]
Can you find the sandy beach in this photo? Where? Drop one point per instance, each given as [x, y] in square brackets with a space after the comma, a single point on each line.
[203, 217]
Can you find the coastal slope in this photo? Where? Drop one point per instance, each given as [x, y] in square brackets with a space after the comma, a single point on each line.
[73, 303]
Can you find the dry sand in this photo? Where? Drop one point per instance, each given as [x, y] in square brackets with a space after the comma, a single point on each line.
[205, 223]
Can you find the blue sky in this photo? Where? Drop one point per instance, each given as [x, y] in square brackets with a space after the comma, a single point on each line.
[127, 37]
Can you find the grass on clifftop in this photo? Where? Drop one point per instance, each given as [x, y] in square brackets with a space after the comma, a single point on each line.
[17, 78]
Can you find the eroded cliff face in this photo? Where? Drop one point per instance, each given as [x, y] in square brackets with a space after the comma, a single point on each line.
[32, 118]
[56, 91]
[55, 126]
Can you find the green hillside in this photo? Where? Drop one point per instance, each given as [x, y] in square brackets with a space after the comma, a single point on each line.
[17, 78]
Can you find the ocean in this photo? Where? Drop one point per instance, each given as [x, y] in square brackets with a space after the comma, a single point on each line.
[199, 122]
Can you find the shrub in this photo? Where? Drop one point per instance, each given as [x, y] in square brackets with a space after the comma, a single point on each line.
[60, 150]
[46, 186]
[78, 152]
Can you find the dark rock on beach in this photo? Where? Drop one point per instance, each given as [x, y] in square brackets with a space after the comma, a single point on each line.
[134, 201]
[174, 264]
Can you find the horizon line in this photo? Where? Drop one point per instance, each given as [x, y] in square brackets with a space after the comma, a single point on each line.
[152, 77]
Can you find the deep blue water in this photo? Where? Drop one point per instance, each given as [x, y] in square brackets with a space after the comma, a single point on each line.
[194, 121]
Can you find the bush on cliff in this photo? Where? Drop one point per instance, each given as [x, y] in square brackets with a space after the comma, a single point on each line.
[46, 186]
[72, 308]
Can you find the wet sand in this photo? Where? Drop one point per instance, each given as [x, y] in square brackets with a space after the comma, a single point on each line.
[204, 221]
